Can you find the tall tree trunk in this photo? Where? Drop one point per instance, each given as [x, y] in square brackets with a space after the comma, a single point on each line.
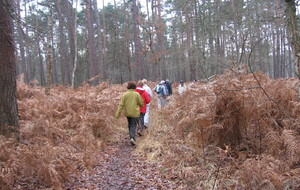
[148, 44]
[292, 18]
[93, 68]
[21, 44]
[182, 56]
[28, 47]
[235, 29]
[117, 47]
[41, 67]
[105, 64]
[199, 51]
[49, 52]
[283, 53]
[137, 43]
[99, 39]
[275, 64]
[160, 28]
[127, 41]
[155, 53]
[190, 65]
[54, 63]
[75, 47]
[65, 71]
[176, 54]
[9, 121]
[71, 22]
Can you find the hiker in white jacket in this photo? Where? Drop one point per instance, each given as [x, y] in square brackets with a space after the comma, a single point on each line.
[181, 88]
[147, 114]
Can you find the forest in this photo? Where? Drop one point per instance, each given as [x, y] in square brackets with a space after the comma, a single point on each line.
[131, 40]
[65, 65]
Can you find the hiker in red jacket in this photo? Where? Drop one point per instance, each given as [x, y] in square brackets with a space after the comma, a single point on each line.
[146, 98]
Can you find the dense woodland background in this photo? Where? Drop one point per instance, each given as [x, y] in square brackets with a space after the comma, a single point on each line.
[74, 41]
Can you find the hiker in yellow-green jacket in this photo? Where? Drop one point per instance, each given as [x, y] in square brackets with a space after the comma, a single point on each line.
[132, 102]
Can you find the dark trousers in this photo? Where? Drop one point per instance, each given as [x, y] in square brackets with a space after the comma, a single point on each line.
[142, 123]
[132, 123]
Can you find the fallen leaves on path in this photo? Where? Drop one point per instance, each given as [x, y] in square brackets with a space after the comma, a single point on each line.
[120, 168]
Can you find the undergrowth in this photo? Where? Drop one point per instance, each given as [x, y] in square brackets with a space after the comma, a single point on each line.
[235, 132]
[61, 134]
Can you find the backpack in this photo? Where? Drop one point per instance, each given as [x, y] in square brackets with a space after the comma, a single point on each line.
[159, 89]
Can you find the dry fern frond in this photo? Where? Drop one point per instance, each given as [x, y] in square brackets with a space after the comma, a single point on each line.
[291, 142]
[274, 142]
[58, 132]
[235, 111]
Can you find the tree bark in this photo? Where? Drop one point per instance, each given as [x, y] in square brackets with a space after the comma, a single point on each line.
[127, 44]
[9, 121]
[71, 22]
[291, 14]
[191, 65]
[40, 64]
[99, 40]
[28, 47]
[234, 14]
[93, 68]
[137, 43]
[76, 47]
[105, 65]
[21, 44]
[65, 71]
[49, 53]
[160, 28]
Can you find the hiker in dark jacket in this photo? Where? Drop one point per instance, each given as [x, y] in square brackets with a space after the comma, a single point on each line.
[169, 87]
[161, 94]
[131, 101]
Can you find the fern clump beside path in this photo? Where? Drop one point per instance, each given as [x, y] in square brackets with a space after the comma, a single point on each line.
[236, 132]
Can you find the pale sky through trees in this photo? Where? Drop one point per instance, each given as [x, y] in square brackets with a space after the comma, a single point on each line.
[100, 3]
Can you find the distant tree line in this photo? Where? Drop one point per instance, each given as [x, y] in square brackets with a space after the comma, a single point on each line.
[68, 42]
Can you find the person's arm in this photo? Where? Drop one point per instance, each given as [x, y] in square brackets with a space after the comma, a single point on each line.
[166, 92]
[154, 89]
[120, 107]
[150, 93]
[140, 101]
[147, 98]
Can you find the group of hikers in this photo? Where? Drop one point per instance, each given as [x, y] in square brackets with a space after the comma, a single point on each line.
[136, 102]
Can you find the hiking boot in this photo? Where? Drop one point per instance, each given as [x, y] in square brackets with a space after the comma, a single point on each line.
[132, 141]
[140, 133]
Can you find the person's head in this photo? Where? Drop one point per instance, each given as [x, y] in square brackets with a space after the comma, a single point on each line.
[181, 82]
[139, 83]
[131, 85]
[144, 81]
[167, 80]
[162, 82]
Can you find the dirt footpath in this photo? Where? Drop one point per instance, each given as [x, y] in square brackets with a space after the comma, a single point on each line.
[119, 168]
